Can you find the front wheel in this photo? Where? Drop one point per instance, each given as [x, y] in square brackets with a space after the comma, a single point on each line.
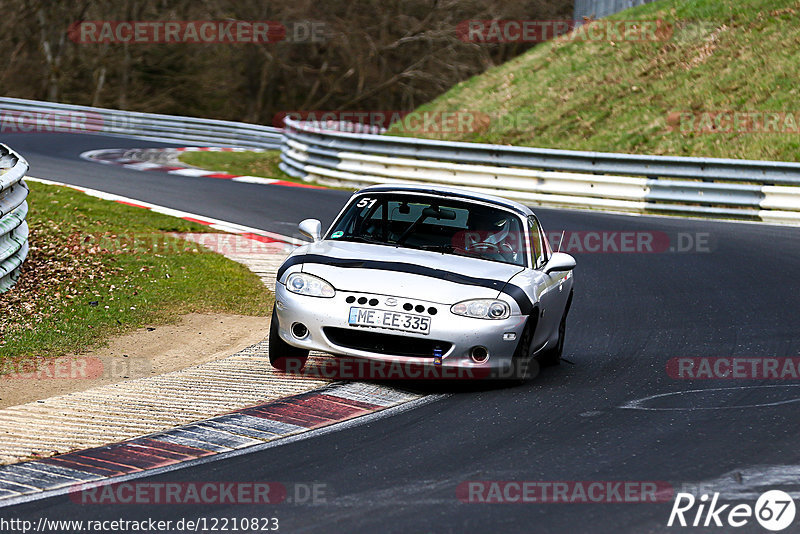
[283, 356]
[553, 356]
[523, 367]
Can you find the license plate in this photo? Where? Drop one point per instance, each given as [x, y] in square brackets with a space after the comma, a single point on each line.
[407, 322]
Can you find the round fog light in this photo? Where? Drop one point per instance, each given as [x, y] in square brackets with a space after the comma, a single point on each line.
[497, 310]
[299, 330]
[479, 354]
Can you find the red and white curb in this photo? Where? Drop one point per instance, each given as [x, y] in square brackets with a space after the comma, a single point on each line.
[242, 431]
[132, 159]
[248, 232]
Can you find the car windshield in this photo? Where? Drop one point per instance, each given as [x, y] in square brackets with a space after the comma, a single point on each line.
[432, 223]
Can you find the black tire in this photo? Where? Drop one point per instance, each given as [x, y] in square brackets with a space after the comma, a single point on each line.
[524, 367]
[283, 356]
[553, 356]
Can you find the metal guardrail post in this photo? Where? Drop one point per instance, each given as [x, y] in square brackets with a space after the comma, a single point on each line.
[13, 210]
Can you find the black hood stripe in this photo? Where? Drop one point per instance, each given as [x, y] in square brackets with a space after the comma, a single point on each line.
[511, 290]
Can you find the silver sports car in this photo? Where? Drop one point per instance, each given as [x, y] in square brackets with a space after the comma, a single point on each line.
[431, 276]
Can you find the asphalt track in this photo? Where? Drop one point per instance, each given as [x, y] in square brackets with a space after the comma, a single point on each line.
[631, 313]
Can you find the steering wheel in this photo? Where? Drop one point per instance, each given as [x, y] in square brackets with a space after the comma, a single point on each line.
[483, 247]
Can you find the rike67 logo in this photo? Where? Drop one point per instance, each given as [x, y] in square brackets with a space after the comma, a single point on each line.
[774, 510]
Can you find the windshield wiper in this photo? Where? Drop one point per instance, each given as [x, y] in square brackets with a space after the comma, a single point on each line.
[364, 239]
[434, 247]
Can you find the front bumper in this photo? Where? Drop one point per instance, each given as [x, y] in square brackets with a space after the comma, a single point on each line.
[462, 334]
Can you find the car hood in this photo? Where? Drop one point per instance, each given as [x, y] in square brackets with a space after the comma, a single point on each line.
[384, 270]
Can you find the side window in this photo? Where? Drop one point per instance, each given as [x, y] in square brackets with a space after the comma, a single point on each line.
[538, 244]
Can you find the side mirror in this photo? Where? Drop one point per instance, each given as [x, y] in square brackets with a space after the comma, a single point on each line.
[559, 262]
[311, 228]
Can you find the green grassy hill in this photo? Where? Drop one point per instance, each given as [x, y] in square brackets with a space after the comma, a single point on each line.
[741, 55]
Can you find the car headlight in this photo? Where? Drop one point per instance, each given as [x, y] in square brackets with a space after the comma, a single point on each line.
[310, 285]
[482, 309]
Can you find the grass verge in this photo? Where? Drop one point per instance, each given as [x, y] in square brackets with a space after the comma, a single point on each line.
[264, 164]
[98, 269]
[630, 96]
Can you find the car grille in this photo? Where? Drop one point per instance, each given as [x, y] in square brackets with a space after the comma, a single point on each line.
[385, 343]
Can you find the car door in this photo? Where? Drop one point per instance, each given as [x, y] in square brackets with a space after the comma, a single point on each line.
[552, 298]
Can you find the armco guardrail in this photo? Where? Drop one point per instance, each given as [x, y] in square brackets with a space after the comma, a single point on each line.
[36, 116]
[707, 187]
[603, 8]
[13, 210]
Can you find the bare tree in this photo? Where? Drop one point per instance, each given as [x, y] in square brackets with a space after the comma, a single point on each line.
[376, 55]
